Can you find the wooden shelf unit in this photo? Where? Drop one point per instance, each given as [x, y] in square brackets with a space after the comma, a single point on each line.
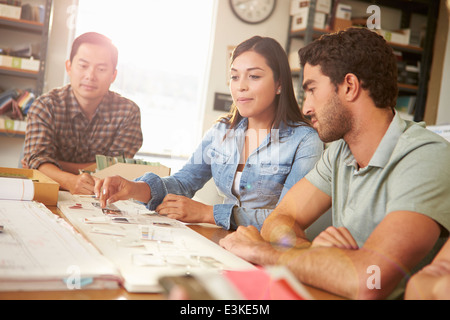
[424, 55]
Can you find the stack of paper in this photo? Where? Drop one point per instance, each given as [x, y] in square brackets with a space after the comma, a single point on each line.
[144, 245]
[39, 251]
[16, 189]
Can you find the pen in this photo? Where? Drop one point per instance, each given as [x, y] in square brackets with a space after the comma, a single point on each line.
[81, 171]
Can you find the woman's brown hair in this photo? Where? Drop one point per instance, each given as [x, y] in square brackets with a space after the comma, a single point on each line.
[287, 109]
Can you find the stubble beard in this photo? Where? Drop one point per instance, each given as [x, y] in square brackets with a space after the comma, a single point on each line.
[335, 121]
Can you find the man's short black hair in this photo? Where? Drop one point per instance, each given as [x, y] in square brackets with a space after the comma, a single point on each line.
[97, 39]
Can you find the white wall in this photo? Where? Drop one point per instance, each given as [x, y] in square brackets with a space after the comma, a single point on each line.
[59, 43]
[230, 31]
[11, 151]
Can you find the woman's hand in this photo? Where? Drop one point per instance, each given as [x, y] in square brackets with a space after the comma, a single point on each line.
[185, 209]
[112, 189]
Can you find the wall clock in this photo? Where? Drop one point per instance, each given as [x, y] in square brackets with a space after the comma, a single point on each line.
[253, 11]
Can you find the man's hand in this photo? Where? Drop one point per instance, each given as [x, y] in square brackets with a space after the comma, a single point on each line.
[185, 209]
[82, 184]
[24, 163]
[248, 244]
[335, 237]
[75, 183]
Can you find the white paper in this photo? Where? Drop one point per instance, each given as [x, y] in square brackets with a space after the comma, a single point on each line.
[443, 131]
[16, 189]
[155, 246]
[38, 249]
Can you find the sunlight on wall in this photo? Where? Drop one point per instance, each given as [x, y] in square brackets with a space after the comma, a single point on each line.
[163, 50]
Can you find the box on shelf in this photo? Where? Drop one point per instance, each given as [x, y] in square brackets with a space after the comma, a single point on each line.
[300, 20]
[415, 38]
[323, 6]
[25, 64]
[341, 24]
[343, 11]
[12, 125]
[45, 189]
[5, 61]
[399, 37]
[9, 11]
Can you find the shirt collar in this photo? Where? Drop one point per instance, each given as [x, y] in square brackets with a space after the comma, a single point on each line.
[386, 147]
[388, 143]
[101, 112]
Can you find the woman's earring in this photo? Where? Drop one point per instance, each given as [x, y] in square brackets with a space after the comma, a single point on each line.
[279, 91]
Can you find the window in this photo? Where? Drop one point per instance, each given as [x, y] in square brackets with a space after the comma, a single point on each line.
[163, 56]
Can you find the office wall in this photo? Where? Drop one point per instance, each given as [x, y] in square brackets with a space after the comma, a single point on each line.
[230, 31]
[59, 42]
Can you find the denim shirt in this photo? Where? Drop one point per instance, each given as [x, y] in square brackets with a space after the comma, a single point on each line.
[285, 156]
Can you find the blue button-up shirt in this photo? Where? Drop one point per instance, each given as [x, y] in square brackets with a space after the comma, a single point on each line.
[283, 158]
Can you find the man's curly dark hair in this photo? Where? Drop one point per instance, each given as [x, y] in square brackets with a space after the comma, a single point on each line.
[362, 52]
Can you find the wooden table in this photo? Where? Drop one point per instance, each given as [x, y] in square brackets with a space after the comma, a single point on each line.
[211, 232]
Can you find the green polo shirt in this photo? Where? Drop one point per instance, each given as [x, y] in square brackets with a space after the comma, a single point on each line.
[410, 170]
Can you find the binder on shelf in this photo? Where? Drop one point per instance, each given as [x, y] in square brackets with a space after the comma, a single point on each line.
[9, 11]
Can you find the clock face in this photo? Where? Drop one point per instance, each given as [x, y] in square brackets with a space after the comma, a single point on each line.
[253, 11]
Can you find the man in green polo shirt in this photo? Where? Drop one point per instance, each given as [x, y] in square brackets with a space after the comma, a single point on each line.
[386, 179]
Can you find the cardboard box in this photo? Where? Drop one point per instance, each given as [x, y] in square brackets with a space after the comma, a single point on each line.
[9, 11]
[341, 24]
[5, 61]
[323, 6]
[12, 125]
[129, 171]
[400, 37]
[344, 11]
[300, 21]
[45, 189]
[25, 64]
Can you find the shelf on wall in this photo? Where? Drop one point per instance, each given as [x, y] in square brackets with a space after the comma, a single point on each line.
[26, 25]
[13, 128]
[407, 87]
[318, 32]
[18, 72]
[37, 33]
[422, 54]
